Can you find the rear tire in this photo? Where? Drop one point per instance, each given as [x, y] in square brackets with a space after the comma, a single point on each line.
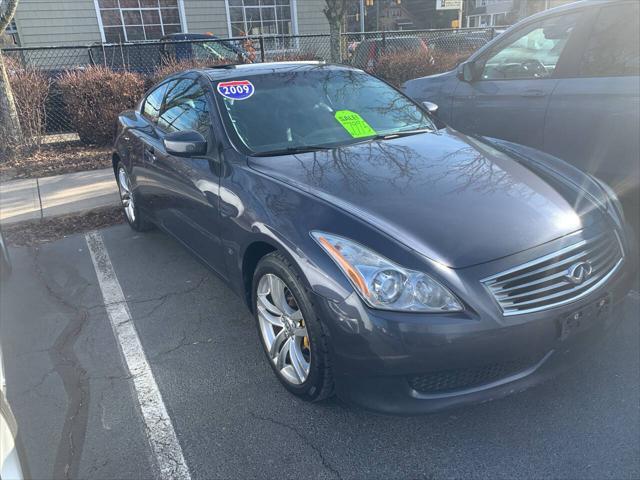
[129, 199]
[285, 315]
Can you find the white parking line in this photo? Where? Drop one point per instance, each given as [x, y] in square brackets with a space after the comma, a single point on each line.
[159, 429]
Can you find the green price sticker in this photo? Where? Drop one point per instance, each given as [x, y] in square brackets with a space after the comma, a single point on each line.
[354, 124]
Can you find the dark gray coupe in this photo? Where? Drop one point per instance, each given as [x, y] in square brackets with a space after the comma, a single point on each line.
[405, 268]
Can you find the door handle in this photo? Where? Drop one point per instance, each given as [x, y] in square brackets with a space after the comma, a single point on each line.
[227, 210]
[533, 93]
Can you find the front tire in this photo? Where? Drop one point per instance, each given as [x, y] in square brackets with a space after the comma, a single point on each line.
[128, 197]
[292, 336]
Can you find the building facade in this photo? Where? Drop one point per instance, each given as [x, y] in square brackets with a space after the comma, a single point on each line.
[80, 22]
[488, 13]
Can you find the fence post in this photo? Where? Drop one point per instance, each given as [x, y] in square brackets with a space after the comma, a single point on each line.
[261, 40]
[384, 42]
[493, 33]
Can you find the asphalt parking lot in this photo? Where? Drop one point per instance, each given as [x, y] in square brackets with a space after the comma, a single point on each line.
[79, 415]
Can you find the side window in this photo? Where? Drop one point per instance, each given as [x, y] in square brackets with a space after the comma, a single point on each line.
[532, 54]
[613, 47]
[185, 108]
[153, 103]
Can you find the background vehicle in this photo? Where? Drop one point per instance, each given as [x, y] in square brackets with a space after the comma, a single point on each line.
[456, 42]
[191, 46]
[368, 51]
[565, 81]
[10, 464]
[407, 268]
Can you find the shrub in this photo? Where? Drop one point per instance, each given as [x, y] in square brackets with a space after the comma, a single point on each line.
[95, 96]
[398, 67]
[30, 89]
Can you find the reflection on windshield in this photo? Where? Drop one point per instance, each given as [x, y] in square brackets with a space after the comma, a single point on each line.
[317, 108]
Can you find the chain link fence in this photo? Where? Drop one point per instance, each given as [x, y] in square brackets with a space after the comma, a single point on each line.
[362, 50]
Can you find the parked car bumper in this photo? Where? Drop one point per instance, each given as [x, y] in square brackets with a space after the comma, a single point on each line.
[407, 363]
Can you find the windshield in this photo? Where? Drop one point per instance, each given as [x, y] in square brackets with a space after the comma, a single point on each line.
[217, 49]
[317, 108]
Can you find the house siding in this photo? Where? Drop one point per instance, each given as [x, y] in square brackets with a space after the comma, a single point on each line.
[311, 18]
[204, 16]
[74, 22]
[71, 22]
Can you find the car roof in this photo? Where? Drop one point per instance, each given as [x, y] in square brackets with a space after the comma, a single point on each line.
[389, 39]
[251, 69]
[189, 36]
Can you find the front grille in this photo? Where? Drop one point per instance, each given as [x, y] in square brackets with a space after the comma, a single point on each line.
[448, 381]
[544, 283]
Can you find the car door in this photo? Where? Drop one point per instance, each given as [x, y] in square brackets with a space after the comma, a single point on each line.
[188, 206]
[593, 119]
[514, 80]
[143, 141]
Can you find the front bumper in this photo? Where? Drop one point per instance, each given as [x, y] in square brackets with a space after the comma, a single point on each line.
[404, 363]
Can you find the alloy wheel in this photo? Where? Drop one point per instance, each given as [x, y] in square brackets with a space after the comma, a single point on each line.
[126, 195]
[283, 329]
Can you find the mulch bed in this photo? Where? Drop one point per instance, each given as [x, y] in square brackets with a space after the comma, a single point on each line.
[51, 229]
[56, 159]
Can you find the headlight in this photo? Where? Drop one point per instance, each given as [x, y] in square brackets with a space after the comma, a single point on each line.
[382, 283]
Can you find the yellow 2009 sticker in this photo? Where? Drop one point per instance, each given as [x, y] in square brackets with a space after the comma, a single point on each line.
[354, 124]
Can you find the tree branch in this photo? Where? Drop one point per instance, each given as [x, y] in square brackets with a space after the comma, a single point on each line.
[7, 15]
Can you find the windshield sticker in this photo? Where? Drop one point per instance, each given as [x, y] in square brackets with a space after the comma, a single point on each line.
[236, 90]
[354, 124]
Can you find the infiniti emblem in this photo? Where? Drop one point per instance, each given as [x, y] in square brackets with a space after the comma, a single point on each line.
[579, 272]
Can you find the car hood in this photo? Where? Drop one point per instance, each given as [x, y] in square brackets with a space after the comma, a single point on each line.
[424, 87]
[455, 199]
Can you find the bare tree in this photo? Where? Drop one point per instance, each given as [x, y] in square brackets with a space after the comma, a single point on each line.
[10, 132]
[335, 11]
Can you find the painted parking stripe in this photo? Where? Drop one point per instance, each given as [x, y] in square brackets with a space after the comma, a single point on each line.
[159, 429]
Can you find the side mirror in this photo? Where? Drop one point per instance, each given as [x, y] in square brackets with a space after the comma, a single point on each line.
[186, 143]
[466, 72]
[431, 107]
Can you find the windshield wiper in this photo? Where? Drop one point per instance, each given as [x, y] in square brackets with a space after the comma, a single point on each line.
[316, 148]
[405, 133]
[391, 136]
[291, 151]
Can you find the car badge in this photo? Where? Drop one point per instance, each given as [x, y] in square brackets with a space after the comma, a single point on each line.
[579, 272]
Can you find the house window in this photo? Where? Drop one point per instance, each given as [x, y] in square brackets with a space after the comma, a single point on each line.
[135, 20]
[486, 20]
[499, 19]
[12, 32]
[484, 3]
[261, 17]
